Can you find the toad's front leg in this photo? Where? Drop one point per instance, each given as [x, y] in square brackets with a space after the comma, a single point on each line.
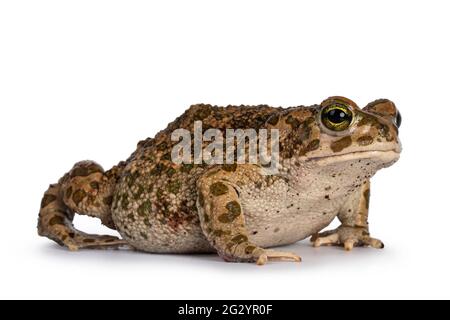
[223, 222]
[354, 230]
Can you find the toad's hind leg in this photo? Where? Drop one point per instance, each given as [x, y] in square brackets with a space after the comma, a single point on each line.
[88, 190]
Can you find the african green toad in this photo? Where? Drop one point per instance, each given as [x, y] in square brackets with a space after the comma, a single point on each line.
[328, 153]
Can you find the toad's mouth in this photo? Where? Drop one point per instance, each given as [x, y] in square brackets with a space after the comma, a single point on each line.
[381, 156]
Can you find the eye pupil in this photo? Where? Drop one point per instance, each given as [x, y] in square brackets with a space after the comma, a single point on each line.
[336, 116]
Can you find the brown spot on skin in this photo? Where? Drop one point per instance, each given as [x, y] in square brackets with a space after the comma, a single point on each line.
[56, 220]
[72, 235]
[201, 199]
[274, 120]
[313, 145]
[69, 192]
[108, 201]
[327, 197]
[229, 167]
[78, 196]
[88, 240]
[293, 122]
[276, 230]
[305, 134]
[143, 235]
[328, 188]
[158, 169]
[202, 113]
[218, 189]
[147, 222]
[341, 144]
[365, 140]
[367, 197]
[47, 199]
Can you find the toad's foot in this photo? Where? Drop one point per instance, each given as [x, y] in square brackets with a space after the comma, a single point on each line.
[81, 240]
[272, 255]
[348, 237]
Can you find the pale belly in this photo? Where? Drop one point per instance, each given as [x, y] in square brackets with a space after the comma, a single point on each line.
[283, 218]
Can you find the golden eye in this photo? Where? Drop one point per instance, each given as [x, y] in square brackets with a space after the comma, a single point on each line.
[337, 117]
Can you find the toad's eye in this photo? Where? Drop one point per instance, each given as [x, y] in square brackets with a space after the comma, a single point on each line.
[337, 117]
[398, 119]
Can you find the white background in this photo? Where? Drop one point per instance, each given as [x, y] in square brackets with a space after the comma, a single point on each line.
[89, 79]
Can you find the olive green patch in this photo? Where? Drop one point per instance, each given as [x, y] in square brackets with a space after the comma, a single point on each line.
[139, 192]
[174, 186]
[171, 171]
[56, 220]
[47, 199]
[125, 201]
[341, 144]
[218, 189]
[234, 210]
[78, 196]
[145, 208]
[85, 171]
[365, 140]
[250, 249]
[186, 167]
[240, 238]
[234, 207]
[221, 233]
